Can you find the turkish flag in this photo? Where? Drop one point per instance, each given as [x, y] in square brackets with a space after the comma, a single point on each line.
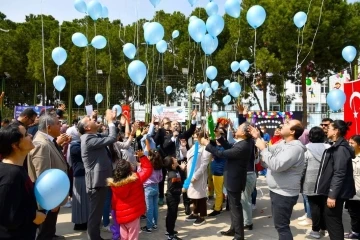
[352, 106]
[126, 111]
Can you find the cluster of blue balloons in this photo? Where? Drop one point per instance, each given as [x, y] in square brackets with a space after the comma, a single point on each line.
[94, 8]
[51, 188]
[300, 19]
[98, 98]
[80, 40]
[243, 65]
[79, 99]
[256, 16]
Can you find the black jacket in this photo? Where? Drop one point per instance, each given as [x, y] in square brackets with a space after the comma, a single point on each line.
[76, 160]
[335, 178]
[170, 148]
[237, 159]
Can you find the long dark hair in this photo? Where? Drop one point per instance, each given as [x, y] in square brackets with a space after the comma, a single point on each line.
[155, 159]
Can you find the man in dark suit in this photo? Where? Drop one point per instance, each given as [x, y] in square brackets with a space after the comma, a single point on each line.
[235, 173]
[98, 167]
[171, 147]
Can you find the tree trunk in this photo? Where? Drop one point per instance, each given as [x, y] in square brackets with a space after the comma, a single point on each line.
[304, 95]
[264, 86]
[257, 99]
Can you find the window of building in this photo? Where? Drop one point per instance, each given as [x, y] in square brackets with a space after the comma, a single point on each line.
[298, 107]
[298, 88]
[324, 87]
[288, 108]
[274, 107]
[179, 104]
[324, 108]
[311, 107]
[196, 106]
[186, 104]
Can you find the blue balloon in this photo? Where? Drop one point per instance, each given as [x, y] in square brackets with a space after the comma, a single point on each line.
[175, 34]
[168, 90]
[145, 25]
[129, 50]
[226, 83]
[155, 2]
[234, 89]
[208, 92]
[221, 114]
[137, 72]
[159, 110]
[193, 18]
[232, 8]
[244, 65]
[214, 85]
[99, 42]
[94, 9]
[235, 66]
[209, 44]
[226, 99]
[349, 53]
[211, 72]
[59, 83]
[118, 109]
[79, 99]
[197, 29]
[256, 16]
[300, 19]
[79, 40]
[153, 33]
[211, 8]
[51, 188]
[161, 46]
[215, 25]
[199, 87]
[80, 6]
[104, 12]
[59, 55]
[192, 2]
[205, 85]
[99, 97]
[193, 166]
[336, 99]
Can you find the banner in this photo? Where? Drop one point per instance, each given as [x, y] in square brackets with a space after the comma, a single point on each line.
[126, 111]
[352, 106]
[173, 113]
[18, 109]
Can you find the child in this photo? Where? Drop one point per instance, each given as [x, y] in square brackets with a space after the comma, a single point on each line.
[151, 187]
[128, 200]
[174, 189]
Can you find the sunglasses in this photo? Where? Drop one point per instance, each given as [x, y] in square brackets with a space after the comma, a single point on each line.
[324, 125]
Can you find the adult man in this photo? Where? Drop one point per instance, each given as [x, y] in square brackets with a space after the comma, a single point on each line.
[171, 147]
[27, 117]
[325, 123]
[285, 162]
[98, 167]
[47, 155]
[235, 174]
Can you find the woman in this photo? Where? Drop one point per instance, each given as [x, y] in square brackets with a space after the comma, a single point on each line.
[18, 208]
[335, 181]
[313, 155]
[198, 186]
[80, 202]
[353, 204]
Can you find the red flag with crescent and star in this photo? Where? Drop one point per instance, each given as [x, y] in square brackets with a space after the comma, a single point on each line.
[352, 106]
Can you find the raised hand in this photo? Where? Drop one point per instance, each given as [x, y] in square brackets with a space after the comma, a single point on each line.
[194, 114]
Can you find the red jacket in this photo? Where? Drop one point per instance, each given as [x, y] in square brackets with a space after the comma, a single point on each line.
[128, 199]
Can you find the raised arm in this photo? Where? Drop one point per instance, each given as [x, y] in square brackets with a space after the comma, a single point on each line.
[94, 141]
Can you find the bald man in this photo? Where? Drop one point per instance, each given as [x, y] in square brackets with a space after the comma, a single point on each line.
[285, 162]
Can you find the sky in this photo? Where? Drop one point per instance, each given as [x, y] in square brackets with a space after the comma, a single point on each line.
[63, 10]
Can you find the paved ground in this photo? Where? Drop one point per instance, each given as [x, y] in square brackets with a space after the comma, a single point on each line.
[263, 224]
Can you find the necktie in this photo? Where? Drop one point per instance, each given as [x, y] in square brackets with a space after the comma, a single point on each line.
[57, 146]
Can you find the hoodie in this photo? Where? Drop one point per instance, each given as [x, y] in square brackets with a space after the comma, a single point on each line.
[285, 162]
[336, 177]
[128, 199]
[313, 157]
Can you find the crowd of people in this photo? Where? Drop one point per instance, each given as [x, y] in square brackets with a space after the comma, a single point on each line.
[127, 170]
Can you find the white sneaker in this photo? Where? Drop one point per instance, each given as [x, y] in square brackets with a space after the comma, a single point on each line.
[306, 222]
[105, 229]
[302, 218]
[68, 204]
[313, 234]
[253, 207]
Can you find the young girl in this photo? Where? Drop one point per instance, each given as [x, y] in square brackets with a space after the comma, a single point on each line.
[151, 187]
[128, 200]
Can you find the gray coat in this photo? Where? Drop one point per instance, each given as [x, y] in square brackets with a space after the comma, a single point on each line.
[313, 157]
[96, 157]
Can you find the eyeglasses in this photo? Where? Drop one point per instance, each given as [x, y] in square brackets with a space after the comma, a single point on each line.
[324, 125]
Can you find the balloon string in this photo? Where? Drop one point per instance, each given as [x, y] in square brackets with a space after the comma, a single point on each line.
[316, 31]
[96, 75]
[254, 58]
[152, 78]
[109, 76]
[147, 78]
[58, 67]
[237, 42]
[297, 54]
[87, 64]
[43, 53]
